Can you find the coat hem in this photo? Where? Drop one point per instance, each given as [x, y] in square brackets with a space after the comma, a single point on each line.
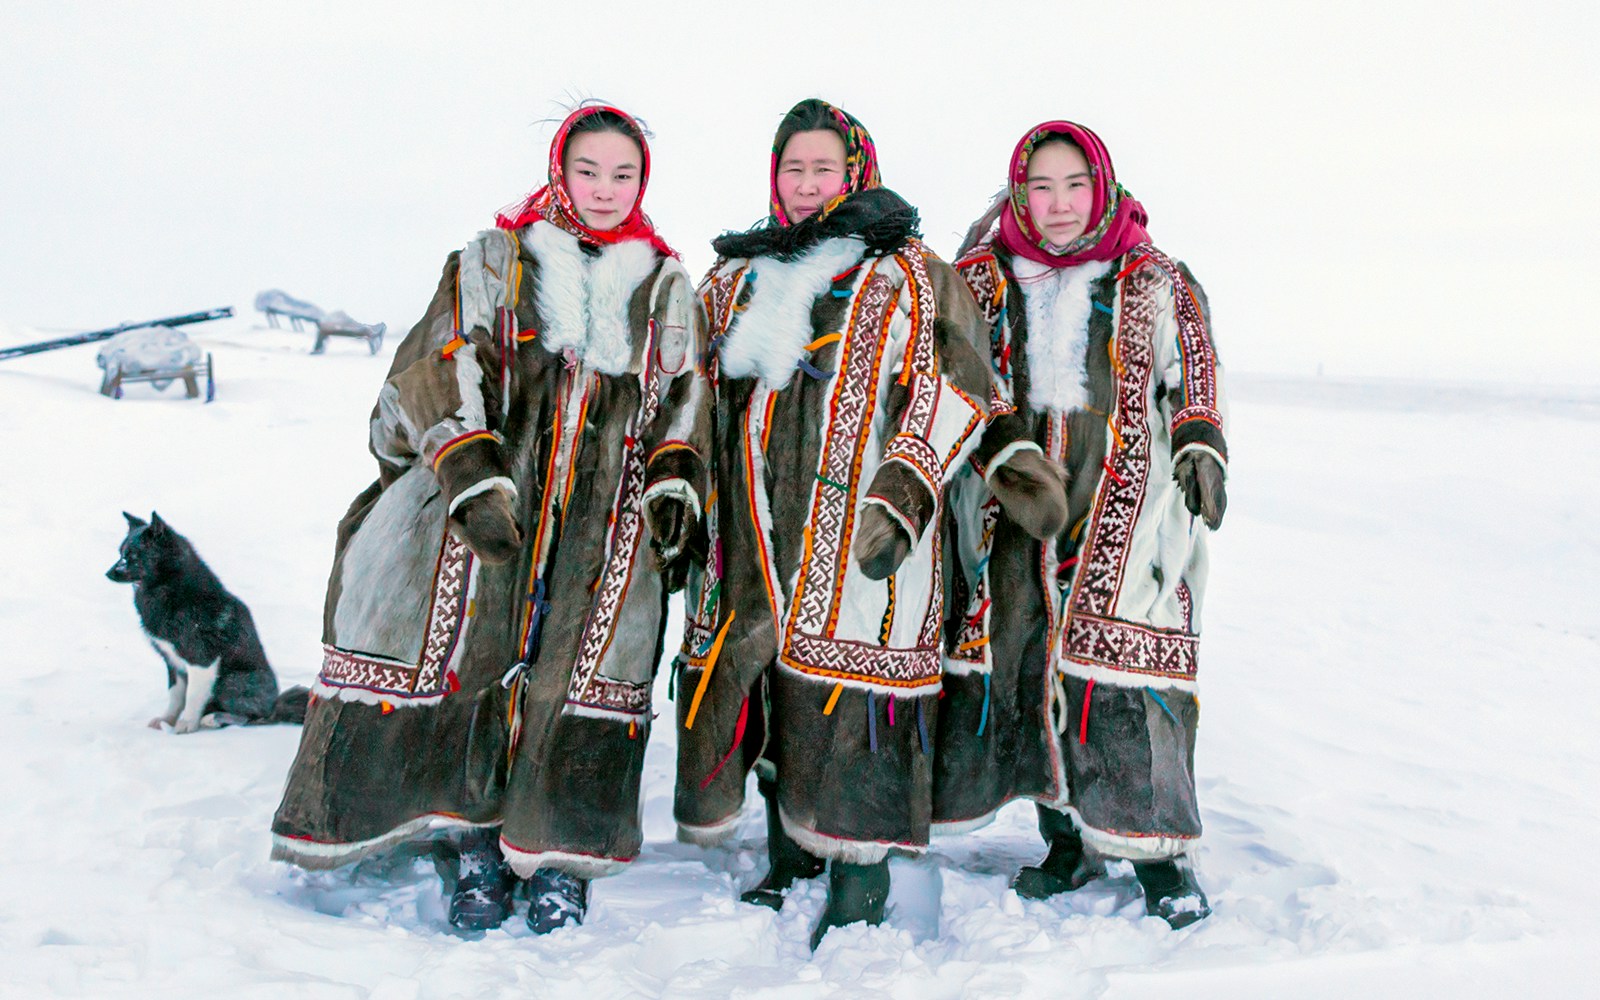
[588, 866]
[710, 834]
[855, 852]
[315, 855]
[1132, 846]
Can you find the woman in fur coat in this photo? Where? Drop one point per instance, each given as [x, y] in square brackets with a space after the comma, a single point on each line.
[1070, 664]
[494, 615]
[847, 393]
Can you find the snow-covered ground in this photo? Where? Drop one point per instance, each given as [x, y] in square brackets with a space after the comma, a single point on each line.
[1398, 763]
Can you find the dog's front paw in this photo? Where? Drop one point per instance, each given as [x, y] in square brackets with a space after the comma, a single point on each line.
[160, 721]
[183, 726]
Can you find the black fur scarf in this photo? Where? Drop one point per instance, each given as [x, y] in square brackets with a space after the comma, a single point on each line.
[879, 216]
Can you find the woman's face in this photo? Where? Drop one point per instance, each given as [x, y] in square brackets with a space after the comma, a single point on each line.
[810, 172]
[1060, 192]
[603, 173]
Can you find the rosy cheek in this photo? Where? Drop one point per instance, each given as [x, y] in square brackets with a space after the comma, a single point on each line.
[1039, 204]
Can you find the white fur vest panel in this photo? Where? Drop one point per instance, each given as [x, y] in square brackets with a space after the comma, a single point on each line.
[768, 338]
[1058, 331]
[582, 299]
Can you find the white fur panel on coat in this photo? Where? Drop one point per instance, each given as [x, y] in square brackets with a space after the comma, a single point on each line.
[583, 300]
[769, 337]
[1058, 331]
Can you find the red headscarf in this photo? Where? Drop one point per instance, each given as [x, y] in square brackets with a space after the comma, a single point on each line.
[1119, 221]
[553, 202]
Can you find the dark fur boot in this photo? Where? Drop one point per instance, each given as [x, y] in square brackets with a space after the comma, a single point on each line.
[1171, 891]
[1065, 868]
[856, 893]
[786, 860]
[557, 899]
[482, 900]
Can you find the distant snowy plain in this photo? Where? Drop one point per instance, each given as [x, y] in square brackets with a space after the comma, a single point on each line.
[1398, 762]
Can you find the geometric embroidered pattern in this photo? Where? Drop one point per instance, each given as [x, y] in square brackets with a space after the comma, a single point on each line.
[822, 569]
[1126, 646]
[862, 663]
[587, 687]
[1195, 349]
[1122, 488]
[970, 645]
[433, 676]
[1091, 634]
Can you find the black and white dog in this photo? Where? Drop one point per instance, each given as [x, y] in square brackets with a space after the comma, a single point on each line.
[217, 672]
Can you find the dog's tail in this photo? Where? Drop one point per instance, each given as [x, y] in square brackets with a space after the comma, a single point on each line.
[291, 706]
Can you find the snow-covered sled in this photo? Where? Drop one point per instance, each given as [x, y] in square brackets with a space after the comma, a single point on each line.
[339, 324]
[276, 302]
[160, 356]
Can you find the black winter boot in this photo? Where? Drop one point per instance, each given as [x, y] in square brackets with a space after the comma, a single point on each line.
[1065, 868]
[786, 860]
[557, 899]
[1171, 892]
[855, 893]
[484, 882]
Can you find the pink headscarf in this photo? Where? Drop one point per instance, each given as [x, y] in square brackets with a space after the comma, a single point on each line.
[1119, 219]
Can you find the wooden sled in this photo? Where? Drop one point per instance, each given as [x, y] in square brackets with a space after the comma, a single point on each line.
[111, 385]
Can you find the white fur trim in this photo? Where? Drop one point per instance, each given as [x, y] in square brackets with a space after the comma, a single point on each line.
[588, 866]
[315, 856]
[484, 486]
[712, 834]
[955, 828]
[922, 690]
[1121, 678]
[583, 301]
[1198, 446]
[674, 487]
[1118, 845]
[609, 714]
[1058, 331]
[893, 512]
[769, 337]
[363, 696]
[959, 667]
[680, 489]
[855, 852]
[1006, 454]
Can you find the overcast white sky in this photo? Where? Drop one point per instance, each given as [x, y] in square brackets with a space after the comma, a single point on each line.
[1405, 188]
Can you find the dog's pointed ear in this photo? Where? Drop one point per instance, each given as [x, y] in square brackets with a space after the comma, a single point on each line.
[133, 522]
[156, 523]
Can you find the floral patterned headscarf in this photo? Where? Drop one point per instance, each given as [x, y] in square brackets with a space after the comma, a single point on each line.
[860, 157]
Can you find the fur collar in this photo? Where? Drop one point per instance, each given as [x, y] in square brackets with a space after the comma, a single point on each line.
[768, 336]
[583, 299]
[1058, 331]
[878, 216]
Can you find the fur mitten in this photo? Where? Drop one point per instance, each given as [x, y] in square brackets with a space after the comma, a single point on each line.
[881, 544]
[485, 523]
[671, 523]
[1033, 491]
[1200, 476]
